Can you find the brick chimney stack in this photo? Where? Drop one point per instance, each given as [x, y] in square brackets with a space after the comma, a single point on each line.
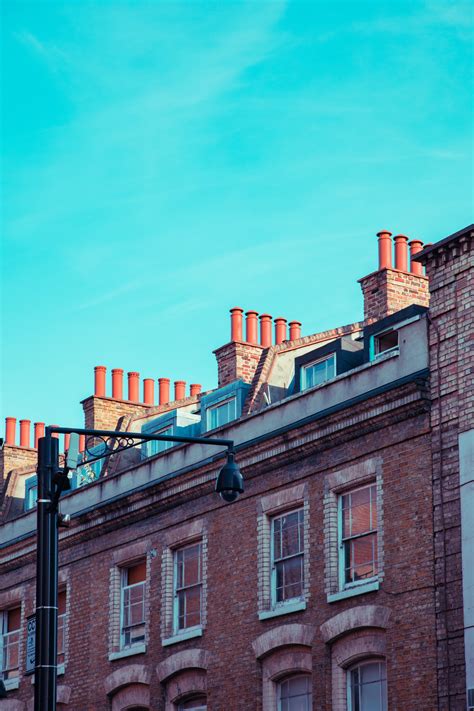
[391, 289]
[238, 359]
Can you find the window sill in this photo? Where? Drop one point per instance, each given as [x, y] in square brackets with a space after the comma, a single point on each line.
[283, 610]
[182, 636]
[355, 590]
[129, 652]
[61, 669]
[11, 684]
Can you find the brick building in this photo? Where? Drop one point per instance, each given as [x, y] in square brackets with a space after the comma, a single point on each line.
[335, 582]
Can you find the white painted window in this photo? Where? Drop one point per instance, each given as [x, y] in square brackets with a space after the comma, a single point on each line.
[287, 556]
[367, 687]
[358, 559]
[155, 446]
[197, 703]
[10, 622]
[187, 587]
[222, 413]
[61, 626]
[318, 372]
[132, 608]
[294, 694]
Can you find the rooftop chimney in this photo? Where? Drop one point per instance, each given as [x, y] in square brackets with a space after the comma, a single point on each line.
[280, 330]
[117, 383]
[416, 245]
[295, 330]
[236, 323]
[238, 359]
[265, 330]
[99, 380]
[134, 386]
[251, 324]
[179, 389]
[401, 255]
[10, 428]
[164, 390]
[148, 391]
[25, 433]
[39, 432]
[389, 289]
[194, 389]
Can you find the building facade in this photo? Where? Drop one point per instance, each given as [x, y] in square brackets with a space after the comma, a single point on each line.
[340, 580]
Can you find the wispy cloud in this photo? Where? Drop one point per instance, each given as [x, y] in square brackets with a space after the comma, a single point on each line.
[51, 53]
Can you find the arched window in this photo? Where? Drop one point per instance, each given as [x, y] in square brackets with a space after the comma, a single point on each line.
[196, 703]
[367, 686]
[294, 693]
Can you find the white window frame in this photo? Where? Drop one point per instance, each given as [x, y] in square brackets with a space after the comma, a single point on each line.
[273, 568]
[305, 368]
[5, 635]
[177, 630]
[349, 671]
[216, 407]
[123, 587]
[343, 585]
[376, 336]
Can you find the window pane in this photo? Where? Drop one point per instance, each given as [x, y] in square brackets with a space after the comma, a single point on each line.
[368, 687]
[386, 341]
[361, 557]
[294, 694]
[136, 573]
[13, 619]
[289, 578]
[198, 703]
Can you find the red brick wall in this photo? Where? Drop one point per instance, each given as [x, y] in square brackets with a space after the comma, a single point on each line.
[237, 361]
[402, 442]
[451, 336]
[390, 290]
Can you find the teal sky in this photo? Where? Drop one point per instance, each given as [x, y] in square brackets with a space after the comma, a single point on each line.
[164, 161]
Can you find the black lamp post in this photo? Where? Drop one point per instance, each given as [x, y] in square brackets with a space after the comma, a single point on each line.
[52, 481]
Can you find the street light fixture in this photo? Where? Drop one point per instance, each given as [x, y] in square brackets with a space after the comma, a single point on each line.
[52, 481]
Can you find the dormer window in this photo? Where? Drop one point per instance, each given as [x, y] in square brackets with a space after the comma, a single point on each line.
[155, 446]
[318, 372]
[222, 413]
[386, 341]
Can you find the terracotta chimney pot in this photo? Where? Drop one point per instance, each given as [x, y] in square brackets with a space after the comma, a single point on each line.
[134, 386]
[280, 330]
[25, 433]
[416, 245]
[117, 383]
[236, 323]
[194, 389]
[251, 326]
[265, 330]
[148, 391]
[179, 389]
[99, 380]
[385, 249]
[164, 390]
[10, 427]
[295, 330]
[401, 253]
[39, 432]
